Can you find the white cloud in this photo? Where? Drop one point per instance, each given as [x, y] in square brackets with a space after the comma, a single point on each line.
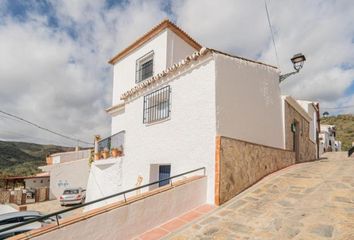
[322, 30]
[64, 83]
[60, 82]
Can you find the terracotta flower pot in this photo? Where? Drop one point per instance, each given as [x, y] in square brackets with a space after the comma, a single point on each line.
[105, 154]
[120, 153]
[115, 152]
[97, 156]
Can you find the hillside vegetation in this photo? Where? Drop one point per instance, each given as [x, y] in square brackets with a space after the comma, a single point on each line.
[22, 159]
[345, 128]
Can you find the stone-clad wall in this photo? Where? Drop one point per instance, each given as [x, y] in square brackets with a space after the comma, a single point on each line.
[240, 164]
[307, 148]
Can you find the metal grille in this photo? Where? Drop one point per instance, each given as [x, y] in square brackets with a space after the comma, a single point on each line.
[157, 105]
[145, 71]
[144, 67]
[114, 141]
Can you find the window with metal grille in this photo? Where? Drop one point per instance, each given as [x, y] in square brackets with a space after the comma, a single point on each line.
[157, 105]
[144, 67]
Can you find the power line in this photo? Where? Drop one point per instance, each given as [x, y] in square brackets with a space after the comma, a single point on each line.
[59, 142]
[349, 106]
[45, 129]
[271, 32]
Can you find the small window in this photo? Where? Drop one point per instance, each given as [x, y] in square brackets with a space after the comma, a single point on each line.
[157, 105]
[144, 67]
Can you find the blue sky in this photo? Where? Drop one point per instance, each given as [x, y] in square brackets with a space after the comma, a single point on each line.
[54, 71]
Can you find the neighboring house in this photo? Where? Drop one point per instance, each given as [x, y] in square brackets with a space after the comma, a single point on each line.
[67, 169]
[338, 146]
[39, 181]
[313, 110]
[177, 105]
[29, 182]
[299, 137]
[328, 140]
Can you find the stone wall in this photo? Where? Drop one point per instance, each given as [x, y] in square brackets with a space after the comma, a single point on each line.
[4, 196]
[307, 148]
[42, 194]
[240, 164]
[12, 196]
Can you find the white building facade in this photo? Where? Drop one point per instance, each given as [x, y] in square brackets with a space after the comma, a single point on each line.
[171, 98]
[67, 170]
[328, 142]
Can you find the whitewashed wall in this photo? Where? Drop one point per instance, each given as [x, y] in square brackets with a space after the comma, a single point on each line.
[37, 182]
[125, 69]
[105, 179]
[67, 175]
[177, 48]
[186, 140]
[248, 102]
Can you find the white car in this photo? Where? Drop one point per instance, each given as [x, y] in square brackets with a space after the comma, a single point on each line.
[73, 196]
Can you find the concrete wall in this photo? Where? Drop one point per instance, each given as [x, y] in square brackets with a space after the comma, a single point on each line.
[67, 175]
[240, 164]
[248, 102]
[307, 148]
[186, 140]
[134, 218]
[105, 179]
[37, 182]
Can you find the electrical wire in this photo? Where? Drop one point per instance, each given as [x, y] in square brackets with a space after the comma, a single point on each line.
[271, 31]
[349, 106]
[43, 128]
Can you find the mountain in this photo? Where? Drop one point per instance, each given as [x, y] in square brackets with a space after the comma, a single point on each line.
[22, 159]
[345, 128]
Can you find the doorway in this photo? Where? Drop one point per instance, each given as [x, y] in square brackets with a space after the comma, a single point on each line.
[164, 172]
[296, 140]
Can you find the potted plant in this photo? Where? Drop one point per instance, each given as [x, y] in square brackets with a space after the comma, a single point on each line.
[97, 156]
[105, 153]
[120, 150]
[92, 157]
[114, 152]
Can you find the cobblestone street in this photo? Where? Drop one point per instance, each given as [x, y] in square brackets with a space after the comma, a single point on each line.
[306, 201]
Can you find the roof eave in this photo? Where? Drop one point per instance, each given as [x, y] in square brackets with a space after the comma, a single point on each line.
[152, 33]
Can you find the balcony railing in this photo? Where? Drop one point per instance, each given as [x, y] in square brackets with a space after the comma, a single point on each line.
[114, 141]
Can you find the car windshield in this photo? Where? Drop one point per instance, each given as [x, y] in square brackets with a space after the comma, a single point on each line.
[18, 219]
[71, 191]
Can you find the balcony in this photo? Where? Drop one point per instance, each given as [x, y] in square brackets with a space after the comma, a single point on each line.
[107, 146]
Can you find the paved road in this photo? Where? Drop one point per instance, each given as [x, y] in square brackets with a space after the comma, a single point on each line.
[306, 201]
[50, 207]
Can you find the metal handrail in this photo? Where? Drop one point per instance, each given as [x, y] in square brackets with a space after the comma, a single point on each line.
[55, 214]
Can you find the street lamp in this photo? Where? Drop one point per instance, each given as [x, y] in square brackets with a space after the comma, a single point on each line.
[298, 62]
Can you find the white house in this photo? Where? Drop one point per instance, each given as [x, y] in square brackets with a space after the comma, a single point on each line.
[312, 108]
[172, 98]
[67, 169]
[328, 140]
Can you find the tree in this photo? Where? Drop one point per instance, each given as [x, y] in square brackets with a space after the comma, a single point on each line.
[325, 114]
